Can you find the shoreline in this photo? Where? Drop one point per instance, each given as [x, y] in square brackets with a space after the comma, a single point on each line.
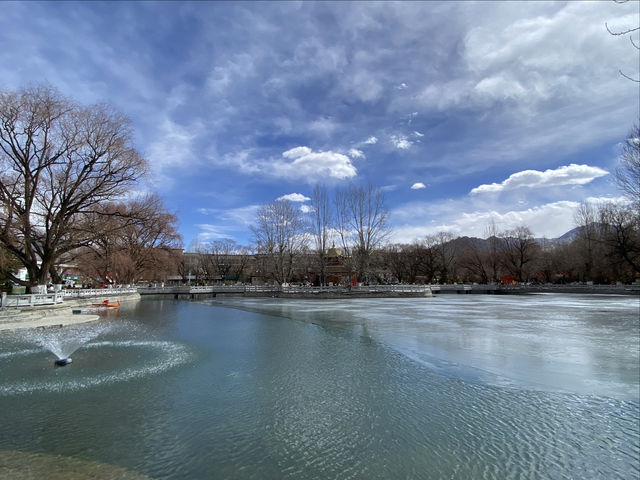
[55, 316]
[61, 315]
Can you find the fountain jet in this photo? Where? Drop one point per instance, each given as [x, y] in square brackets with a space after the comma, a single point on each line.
[61, 362]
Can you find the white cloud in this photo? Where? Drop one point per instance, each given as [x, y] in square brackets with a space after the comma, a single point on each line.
[401, 142]
[228, 222]
[237, 68]
[294, 197]
[531, 70]
[314, 166]
[171, 148]
[306, 208]
[299, 163]
[363, 86]
[418, 134]
[355, 153]
[418, 186]
[549, 220]
[411, 117]
[242, 216]
[297, 152]
[371, 140]
[210, 232]
[322, 126]
[565, 175]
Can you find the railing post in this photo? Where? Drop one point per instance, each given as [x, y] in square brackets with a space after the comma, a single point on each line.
[3, 300]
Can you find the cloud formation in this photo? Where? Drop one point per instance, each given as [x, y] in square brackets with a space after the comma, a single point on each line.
[565, 175]
[306, 208]
[294, 197]
[550, 220]
[507, 87]
[401, 142]
[418, 186]
[355, 153]
[313, 166]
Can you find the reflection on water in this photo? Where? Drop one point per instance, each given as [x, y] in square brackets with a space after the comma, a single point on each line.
[577, 344]
[339, 394]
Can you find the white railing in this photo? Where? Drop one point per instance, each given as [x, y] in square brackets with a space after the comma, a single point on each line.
[391, 289]
[460, 288]
[97, 292]
[32, 300]
[261, 288]
[53, 298]
[366, 289]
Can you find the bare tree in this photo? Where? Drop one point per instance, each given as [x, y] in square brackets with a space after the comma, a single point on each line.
[493, 251]
[99, 258]
[621, 233]
[150, 236]
[241, 263]
[446, 252]
[321, 223]
[623, 33]
[519, 250]
[7, 264]
[628, 172]
[475, 260]
[396, 260]
[278, 235]
[223, 259]
[58, 161]
[586, 218]
[131, 240]
[429, 259]
[404, 262]
[361, 221]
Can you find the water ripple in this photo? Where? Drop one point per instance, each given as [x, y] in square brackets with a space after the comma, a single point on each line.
[160, 357]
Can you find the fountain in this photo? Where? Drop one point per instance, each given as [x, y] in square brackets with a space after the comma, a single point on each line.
[104, 353]
[62, 342]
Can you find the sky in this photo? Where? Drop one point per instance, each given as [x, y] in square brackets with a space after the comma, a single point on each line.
[463, 113]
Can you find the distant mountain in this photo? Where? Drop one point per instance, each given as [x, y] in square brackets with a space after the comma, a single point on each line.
[483, 244]
[570, 236]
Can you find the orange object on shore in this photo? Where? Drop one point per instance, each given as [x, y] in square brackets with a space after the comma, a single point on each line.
[105, 303]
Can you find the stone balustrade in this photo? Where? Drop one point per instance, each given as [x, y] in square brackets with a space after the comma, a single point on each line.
[58, 296]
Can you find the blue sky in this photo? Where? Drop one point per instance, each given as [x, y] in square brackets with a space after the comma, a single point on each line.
[462, 112]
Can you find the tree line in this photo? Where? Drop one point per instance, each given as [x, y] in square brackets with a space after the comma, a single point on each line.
[602, 251]
[356, 219]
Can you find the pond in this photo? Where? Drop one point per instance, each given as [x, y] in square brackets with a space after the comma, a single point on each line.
[458, 386]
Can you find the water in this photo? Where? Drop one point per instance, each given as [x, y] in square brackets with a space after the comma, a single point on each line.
[447, 387]
[62, 342]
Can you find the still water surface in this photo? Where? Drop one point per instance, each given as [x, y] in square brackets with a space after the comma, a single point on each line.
[462, 387]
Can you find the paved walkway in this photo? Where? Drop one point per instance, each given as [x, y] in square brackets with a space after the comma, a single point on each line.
[47, 321]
